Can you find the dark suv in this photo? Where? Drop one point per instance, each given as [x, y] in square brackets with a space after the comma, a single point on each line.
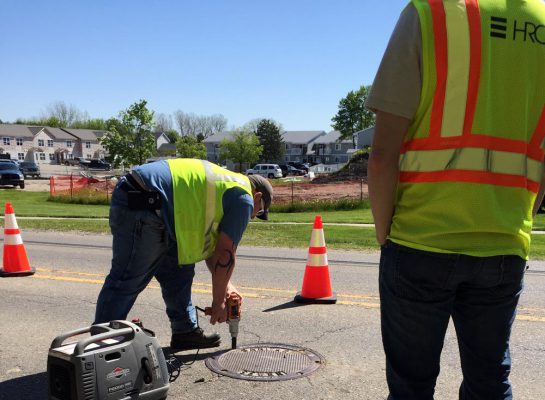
[11, 175]
[98, 164]
[28, 168]
[299, 165]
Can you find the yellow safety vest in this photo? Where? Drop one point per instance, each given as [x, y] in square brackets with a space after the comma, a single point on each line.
[198, 188]
[472, 160]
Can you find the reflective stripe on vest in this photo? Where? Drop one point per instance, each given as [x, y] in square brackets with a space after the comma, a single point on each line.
[451, 151]
[211, 221]
[471, 164]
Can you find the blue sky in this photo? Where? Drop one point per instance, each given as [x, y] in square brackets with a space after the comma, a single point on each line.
[287, 60]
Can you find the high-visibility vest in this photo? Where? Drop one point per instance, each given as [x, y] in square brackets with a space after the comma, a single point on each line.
[198, 188]
[472, 160]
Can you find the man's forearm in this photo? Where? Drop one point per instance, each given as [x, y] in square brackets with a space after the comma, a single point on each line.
[383, 169]
[383, 180]
[221, 275]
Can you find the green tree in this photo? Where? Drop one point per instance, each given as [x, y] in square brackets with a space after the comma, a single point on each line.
[53, 122]
[129, 139]
[352, 115]
[190, 147]
[270, 138]
[243, 147]
[172, 135]
[98, 124]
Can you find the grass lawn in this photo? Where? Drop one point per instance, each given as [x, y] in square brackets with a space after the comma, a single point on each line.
[91, 218]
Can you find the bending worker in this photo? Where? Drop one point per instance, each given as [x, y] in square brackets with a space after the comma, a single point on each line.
[455, 174]
[167, 215]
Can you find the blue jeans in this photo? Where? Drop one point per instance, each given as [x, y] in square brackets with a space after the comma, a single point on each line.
[420, 291]
[142, 249]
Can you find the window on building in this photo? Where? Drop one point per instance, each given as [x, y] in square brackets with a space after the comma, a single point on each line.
[21, 156]
[87, 156]
[42, 156]
[7, 141]
[337, 146]
[87, 145]
[40, 142]
[68, 143]
[337, 160]
[49, 143]
[51, 156]
[70, 156]
[19, 141]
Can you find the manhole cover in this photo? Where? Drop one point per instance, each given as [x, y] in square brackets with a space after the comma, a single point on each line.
[266, 362]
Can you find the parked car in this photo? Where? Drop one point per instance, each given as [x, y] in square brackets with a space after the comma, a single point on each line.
[299, 165]
[288, 170]
[266, 170]
[72, 161]
[28, 168]
[8, 160]
[98, 164]
[11, 175]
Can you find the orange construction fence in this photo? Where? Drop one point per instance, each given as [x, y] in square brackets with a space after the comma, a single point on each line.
[77, 185]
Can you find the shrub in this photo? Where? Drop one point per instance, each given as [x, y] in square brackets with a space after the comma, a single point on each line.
[321, 205]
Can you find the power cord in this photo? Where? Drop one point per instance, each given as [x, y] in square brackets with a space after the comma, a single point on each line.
[175, 364]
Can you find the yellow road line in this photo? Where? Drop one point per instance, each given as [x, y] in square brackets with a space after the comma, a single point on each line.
[363, 304]
[202, 284]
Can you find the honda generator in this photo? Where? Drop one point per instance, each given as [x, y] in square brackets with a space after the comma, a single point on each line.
[119, 360]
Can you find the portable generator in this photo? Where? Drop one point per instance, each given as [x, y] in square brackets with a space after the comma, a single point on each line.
[119, 360]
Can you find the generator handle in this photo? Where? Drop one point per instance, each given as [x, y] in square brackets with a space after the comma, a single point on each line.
[80, 347]
[57, 342]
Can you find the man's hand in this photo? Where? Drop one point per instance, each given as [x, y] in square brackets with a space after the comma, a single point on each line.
[218, 313]
[232, 289]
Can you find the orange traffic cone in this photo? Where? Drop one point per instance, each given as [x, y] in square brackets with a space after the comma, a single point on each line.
[316, 284]
[15, 259]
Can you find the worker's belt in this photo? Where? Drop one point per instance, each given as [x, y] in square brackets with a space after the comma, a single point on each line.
[138, 197]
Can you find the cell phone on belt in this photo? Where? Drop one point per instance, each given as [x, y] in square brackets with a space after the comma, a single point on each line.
[144, 200]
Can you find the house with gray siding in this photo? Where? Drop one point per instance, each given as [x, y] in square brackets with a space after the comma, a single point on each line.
[299, 144]
[365, 137]
[212, 144]
[163, 145]
[330, 149]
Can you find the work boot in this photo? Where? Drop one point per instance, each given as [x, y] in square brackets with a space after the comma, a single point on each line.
[195, 339]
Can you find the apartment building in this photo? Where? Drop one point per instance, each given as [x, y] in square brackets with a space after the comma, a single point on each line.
[47, 145]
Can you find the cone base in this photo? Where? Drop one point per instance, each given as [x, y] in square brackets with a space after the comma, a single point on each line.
[4, 274]
[322, 300]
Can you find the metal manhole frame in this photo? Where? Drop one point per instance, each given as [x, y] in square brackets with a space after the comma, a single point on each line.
[317, 361]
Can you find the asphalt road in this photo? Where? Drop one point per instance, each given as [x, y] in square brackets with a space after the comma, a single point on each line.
[61, 296]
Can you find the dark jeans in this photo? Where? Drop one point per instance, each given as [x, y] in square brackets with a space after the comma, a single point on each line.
[420, 291]
[142, 250]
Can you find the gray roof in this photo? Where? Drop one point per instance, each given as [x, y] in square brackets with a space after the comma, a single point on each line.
[58, 133]
[85, 134]
[301, 137]
[218, 137]
[331, 137]
[35, 129]
[14, 130]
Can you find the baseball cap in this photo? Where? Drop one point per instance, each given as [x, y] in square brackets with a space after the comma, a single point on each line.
[261, 184]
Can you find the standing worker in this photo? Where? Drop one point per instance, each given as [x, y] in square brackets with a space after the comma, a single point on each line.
[455, 178]
[166, 216]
